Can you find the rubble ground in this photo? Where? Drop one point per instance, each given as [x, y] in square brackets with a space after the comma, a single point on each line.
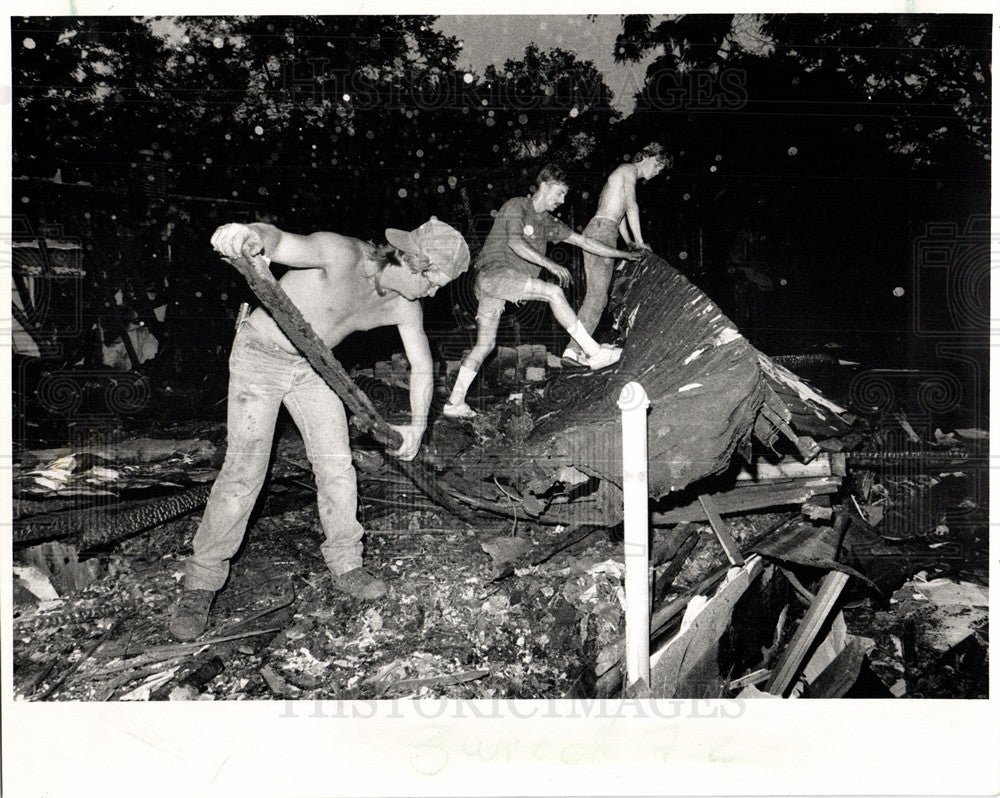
[461, 619]
[445, 628]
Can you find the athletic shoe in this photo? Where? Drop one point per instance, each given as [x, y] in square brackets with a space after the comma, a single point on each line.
[458, 411]
[606, 357]
[575, 356]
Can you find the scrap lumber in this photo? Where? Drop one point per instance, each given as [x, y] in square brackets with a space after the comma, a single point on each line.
[747, 497]
[609, 677]
[825, 465]
[755, 678]
[721, 530]
[157, 654]
[255, 268]
[687, 665]
[86, 655]
[805, 636]
[609, 681]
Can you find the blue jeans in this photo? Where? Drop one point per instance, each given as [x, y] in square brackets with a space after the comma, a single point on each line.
[263, 376]
[598, 270]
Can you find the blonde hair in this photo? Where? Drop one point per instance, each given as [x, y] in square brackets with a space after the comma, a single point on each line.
[655, 150]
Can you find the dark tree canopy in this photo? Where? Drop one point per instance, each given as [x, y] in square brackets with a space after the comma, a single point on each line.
[807, 147]
[924, 78]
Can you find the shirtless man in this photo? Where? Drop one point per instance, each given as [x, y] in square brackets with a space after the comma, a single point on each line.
[341, 285]
[507, 270]
[617, 211]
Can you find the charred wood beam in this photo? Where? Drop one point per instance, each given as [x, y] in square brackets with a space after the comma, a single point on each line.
[664, 581]
[300, 332]
[107, 523]
[721, 530]
[26, 508]
[752, 497]
[666, 543]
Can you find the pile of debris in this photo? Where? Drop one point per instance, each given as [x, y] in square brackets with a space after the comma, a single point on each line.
[780, 537]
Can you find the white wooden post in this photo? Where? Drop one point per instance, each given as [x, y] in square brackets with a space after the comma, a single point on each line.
[635, 489]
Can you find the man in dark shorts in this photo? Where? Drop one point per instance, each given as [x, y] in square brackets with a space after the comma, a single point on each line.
[507, 271]
[617, 212]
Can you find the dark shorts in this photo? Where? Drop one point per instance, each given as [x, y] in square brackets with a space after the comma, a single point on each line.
[496, 287]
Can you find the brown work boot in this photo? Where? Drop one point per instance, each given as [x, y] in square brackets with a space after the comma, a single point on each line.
[190, 616]
[360, 584]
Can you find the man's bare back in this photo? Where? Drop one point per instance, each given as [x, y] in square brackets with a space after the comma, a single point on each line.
[332, 280]
[619, 186]
[337, 299]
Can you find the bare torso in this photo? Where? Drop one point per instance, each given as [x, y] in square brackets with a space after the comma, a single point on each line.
[337, 300]
[612, 203]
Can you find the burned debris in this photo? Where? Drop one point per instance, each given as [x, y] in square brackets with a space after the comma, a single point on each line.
[788, 555]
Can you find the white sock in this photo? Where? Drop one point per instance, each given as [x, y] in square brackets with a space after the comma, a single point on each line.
[462, 383]
[579, 334]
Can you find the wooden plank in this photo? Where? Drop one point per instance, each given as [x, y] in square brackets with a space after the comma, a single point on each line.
[807, 447]
[756, 677]
[826, 597]
[752, 497]
[721, 530]
[690, 657]
[824, 465]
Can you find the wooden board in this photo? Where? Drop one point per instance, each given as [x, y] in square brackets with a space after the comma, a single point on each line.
[684, 665]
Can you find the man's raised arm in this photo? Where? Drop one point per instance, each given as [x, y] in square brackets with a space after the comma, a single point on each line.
[313, 251]
[597, 248]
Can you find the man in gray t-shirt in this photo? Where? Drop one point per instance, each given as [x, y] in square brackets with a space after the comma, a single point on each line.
[507, 270]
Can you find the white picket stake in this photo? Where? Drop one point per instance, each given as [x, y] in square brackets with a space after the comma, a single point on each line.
[635, 489]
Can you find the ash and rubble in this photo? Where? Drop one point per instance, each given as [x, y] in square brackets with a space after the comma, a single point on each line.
[510, 605]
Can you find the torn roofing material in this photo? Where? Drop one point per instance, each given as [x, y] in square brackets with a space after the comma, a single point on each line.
[706, 383]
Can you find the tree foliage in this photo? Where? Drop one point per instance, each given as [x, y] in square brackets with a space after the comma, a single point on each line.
[925, 78]
[140, 135]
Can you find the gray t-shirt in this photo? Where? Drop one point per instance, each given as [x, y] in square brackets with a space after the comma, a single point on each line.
[519, 217]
